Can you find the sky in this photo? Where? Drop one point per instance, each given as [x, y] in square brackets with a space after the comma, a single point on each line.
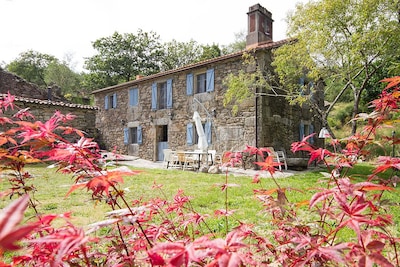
[68, 27]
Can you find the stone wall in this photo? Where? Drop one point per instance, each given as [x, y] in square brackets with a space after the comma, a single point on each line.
[277, 121]
[29, 95]
[43, 110]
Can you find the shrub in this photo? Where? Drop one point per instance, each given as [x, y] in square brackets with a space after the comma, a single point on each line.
[343, 224]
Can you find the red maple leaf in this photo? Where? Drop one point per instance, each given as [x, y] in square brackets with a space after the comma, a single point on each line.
[319, 154]
[303, 145]
[101, 184]
[269, 164]
[10, 217]
[392, 81]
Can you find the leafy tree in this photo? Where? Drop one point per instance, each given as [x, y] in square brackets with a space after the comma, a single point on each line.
[238, 45]
[340, 42]
[210, 51]
[243, 85]
[123, 56]
[31, 66]
[61, 75]
[178, 54]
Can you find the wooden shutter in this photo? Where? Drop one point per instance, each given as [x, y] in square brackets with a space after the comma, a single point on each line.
[133, 97]
[126, 136]
[169, 93]
[301, 130]
[139, 135]
[189, 84]
[106, 102]
[210, 80]
[208, 132]
[154, 96]
[312, 131]
[114, 100]
[189, 133]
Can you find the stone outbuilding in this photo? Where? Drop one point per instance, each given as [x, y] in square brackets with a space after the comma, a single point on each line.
[146, 115]
[43, 103]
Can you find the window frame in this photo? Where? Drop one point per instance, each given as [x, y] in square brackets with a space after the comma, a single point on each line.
[200, 83]
[162, 95]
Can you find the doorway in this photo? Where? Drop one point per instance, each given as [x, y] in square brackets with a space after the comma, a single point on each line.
[162, 140]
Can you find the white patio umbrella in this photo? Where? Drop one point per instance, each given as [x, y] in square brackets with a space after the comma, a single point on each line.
[202, 144]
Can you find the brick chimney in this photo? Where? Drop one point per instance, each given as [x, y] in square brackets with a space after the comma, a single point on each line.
[259, 26]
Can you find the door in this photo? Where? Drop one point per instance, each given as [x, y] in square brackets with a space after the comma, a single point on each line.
[162, 140]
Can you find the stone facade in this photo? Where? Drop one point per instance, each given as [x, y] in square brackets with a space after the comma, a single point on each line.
[277, 123]
[262, 121]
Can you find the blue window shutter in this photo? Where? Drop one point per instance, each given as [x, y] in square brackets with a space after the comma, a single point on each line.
[114, 100]
[301, 129]
[210, 80]
[106, 102]
[126, 136]
[312, 131]
[189, 134]
[207, 130]
[130, 97]
[133, 97]
[139, 135]
[189, 84]
[154, 96]
[169, 93]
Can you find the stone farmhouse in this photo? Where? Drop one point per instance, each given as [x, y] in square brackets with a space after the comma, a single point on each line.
[146, 115]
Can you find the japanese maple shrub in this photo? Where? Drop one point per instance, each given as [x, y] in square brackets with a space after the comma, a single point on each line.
[343, 224]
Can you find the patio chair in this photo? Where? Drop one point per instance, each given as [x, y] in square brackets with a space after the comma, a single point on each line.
[279, 156]
[186, 161]
[214, 158]
[170, 159]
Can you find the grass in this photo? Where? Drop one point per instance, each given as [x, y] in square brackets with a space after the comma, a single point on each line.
[205, 189]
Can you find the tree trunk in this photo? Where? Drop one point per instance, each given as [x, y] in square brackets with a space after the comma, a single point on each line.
[357, 98]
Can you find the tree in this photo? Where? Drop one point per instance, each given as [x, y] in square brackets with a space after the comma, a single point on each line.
[31, 66]
[238, 45]
[338, 42]
[178, 54]
[61, 75]
[210, 51]
[123, 56]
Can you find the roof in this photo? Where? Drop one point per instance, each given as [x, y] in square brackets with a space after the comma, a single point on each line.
[48, 102]
[263, 46]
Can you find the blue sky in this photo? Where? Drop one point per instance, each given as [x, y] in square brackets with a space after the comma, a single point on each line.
[68, 27]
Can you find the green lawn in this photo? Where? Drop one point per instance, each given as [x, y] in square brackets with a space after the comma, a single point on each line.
[205, 189]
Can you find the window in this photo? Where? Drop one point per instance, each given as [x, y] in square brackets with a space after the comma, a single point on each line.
[110, 101]
[161, 95]
[133, 135]
[133, 97]
[200, 82]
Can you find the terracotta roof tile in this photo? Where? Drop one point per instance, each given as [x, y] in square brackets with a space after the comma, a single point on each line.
[48, 102]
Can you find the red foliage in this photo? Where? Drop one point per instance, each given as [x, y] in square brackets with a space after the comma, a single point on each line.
[161, 232]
